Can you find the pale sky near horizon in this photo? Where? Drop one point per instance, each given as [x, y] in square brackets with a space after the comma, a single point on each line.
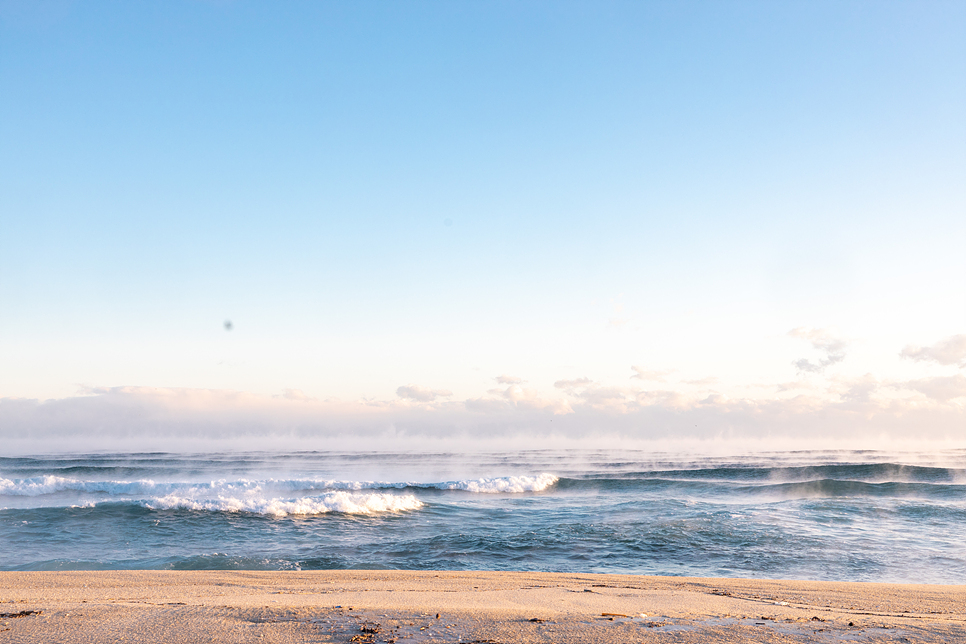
[458, 207]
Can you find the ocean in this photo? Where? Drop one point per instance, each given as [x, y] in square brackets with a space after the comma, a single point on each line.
[821, 515]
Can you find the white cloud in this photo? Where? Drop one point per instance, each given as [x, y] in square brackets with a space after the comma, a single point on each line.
[640, 373]
[942, 388]
[792, 386]
[421, 394]
[515, 397]
[508, 380]
[700, 382]
[950, 351]
[572, 384]
[860, 390]
[296, 394]
[664, 397]
[823, 341]
[615, 399]
[587, 392]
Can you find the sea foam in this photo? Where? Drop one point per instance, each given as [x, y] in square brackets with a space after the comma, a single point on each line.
[48, 485]
[341, 502]
[512, 484]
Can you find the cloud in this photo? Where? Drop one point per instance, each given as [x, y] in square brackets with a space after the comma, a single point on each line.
[665, 398]
[572, 384]
[615, 399]
[710, 380]
[792, 386]
[714, 399]
[584, 391]
[952, 350]
[943, 388]
[821, 340]
[640, 373]
[508, 380]
[516, 397]
[296, 394]
[863, 410]
[421, 394]
[861, 390]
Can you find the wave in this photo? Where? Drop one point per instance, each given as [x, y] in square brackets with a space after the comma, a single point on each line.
[50, 485]
[511, 484]
[832, 488]
[728, 479]
[341, 502]
[764, 490]
[44, 485]
[867, 472]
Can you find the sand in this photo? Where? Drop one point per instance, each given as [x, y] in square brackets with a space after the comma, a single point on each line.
[371, 607]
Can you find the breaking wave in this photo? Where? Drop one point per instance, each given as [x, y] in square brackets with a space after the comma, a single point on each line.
[514, 484]
[341, 502]
[50, 485]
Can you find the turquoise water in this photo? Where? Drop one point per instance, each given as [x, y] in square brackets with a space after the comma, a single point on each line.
[864, 516]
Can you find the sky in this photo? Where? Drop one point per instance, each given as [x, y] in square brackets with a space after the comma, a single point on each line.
[608, 222]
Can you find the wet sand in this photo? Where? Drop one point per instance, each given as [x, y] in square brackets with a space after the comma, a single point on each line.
[404, 607]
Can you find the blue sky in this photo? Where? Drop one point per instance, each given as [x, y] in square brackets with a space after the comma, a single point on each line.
[430, 195]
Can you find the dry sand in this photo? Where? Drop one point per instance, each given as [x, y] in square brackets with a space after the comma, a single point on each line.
[399, 606]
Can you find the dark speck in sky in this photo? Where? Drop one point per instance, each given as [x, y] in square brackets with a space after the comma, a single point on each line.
[228, 325]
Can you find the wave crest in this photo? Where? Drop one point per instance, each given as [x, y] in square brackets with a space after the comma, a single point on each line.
[51, 484]
[512, 484]
[340, 502]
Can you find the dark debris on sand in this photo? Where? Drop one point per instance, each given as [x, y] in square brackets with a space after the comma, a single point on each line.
[23, 613]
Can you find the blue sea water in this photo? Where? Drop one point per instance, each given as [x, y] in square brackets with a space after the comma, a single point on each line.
[856, 516]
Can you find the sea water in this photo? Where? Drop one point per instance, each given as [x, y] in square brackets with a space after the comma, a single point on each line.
[853, 516]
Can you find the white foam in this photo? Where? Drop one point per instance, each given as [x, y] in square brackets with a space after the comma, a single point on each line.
[42, 485]
[48, 485]
[219, 496]
[513, 484]
[341, 502]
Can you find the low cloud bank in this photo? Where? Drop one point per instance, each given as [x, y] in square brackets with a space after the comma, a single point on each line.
[514, 417]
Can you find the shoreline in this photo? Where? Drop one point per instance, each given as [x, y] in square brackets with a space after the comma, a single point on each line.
[369, 606]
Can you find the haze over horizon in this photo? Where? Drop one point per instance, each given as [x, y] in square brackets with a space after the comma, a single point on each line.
[470, 222]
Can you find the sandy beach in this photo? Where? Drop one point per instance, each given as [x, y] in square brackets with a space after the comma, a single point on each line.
[482, 607]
